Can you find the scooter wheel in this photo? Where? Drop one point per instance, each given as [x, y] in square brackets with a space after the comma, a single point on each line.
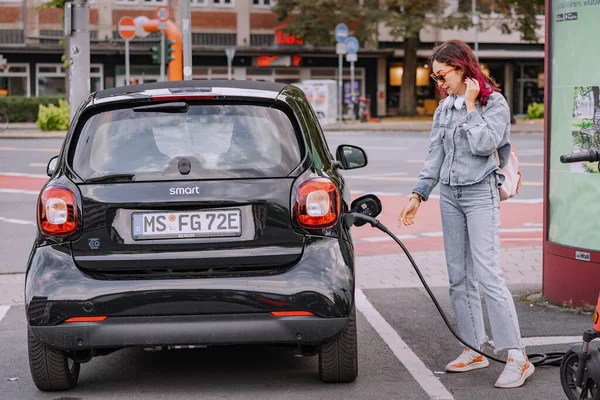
[568, 372]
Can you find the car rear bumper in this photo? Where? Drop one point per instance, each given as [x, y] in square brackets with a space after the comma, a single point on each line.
[208, 310]
[189, 330]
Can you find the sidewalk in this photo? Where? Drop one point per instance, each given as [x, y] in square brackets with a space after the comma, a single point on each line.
[390, 125]
[28, 130]
[522, 266]
[400, 125]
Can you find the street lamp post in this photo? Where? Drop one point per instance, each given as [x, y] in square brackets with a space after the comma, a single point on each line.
[476, 26]
[187, 39]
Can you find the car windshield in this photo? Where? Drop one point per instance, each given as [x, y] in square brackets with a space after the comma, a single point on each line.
[204, 142]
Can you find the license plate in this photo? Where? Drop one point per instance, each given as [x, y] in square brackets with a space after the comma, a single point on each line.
[187, 224]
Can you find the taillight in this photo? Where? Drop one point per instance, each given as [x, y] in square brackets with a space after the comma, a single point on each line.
[57, 212]
[85, 319]
[317, 204]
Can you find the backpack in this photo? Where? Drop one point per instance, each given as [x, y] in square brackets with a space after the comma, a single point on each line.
[512, 175]
[512, 181]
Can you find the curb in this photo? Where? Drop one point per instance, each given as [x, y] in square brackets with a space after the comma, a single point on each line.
[15, 134]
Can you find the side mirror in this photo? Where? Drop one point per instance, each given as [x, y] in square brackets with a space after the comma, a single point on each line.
[51, 167]
[351, 157]
[368, 204]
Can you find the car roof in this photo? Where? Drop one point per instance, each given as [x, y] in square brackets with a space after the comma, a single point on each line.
[189, 85]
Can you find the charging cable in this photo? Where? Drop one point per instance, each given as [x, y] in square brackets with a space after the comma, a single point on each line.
[537, 359]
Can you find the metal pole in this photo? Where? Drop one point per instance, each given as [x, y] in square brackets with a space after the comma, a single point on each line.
[162, 55]
[187, 40]
[476, 26]
[229, 68]
[352, 93]
[79, 55]
[340, 82]
[127, 81]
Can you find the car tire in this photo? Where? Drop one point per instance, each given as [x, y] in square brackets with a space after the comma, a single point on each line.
[51, 370]
[338, 358]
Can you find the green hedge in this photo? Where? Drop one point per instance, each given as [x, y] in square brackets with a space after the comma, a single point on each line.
[535, 110]
[25, 109]
[52, 118]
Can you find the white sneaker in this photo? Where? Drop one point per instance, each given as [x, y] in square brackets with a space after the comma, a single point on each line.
[467, 361]
[514, 374]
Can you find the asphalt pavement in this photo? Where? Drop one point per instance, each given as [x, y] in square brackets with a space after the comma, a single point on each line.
[403, 343]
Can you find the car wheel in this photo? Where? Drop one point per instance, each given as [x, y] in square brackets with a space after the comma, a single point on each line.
[51, 370]
[338, 358]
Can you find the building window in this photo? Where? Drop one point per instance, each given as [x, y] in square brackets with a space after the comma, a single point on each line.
[126, 1]
[262, 40]
[263, 3]
[198, 3]
[51, 79]
[152, 2]
[223, 3]
[14, 80]
[96, 77]
[202, 73]
[11, 36]
[213, 39]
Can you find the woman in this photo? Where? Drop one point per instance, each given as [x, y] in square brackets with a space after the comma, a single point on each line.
[471, 123]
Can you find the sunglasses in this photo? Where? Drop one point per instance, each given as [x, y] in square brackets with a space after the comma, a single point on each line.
[441, 78]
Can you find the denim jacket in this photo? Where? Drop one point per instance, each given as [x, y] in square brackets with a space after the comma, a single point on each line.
[463, 144]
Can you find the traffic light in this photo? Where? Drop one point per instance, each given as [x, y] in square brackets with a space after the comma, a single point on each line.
[156, 54]
[169, 50]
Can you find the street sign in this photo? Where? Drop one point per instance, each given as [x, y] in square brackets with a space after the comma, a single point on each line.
[340, 48]
[341, 33]
[162, 26]
[230, 53]
[352, 45]
[351, 57]
[163, 13]
[139, 26]
[126, 28]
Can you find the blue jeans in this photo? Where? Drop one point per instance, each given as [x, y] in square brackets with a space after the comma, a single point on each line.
[471, 228]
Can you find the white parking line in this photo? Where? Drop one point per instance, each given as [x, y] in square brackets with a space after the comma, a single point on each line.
[3, 311]
[24, 174]
[19, 191]
[16, 221]
[548, 340]
[423, 375]
[44, 149]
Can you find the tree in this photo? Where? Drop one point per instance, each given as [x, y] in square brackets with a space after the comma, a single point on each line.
[314, 21]
[53, 4]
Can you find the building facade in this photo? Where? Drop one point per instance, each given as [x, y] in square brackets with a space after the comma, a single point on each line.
[32, 43]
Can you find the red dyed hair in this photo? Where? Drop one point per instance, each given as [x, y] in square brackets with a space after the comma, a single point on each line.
[458, 54]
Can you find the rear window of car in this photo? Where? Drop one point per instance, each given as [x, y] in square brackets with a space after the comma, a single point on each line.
[217, 141]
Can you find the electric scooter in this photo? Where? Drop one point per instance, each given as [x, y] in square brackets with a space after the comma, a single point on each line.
[580, 366]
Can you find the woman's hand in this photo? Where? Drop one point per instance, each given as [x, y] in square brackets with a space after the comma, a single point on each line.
[407, 215]
[472, 91]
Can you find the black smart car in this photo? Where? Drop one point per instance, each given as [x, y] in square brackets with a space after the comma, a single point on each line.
[193, 213]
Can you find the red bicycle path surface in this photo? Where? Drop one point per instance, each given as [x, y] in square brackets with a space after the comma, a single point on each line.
[424, 235]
